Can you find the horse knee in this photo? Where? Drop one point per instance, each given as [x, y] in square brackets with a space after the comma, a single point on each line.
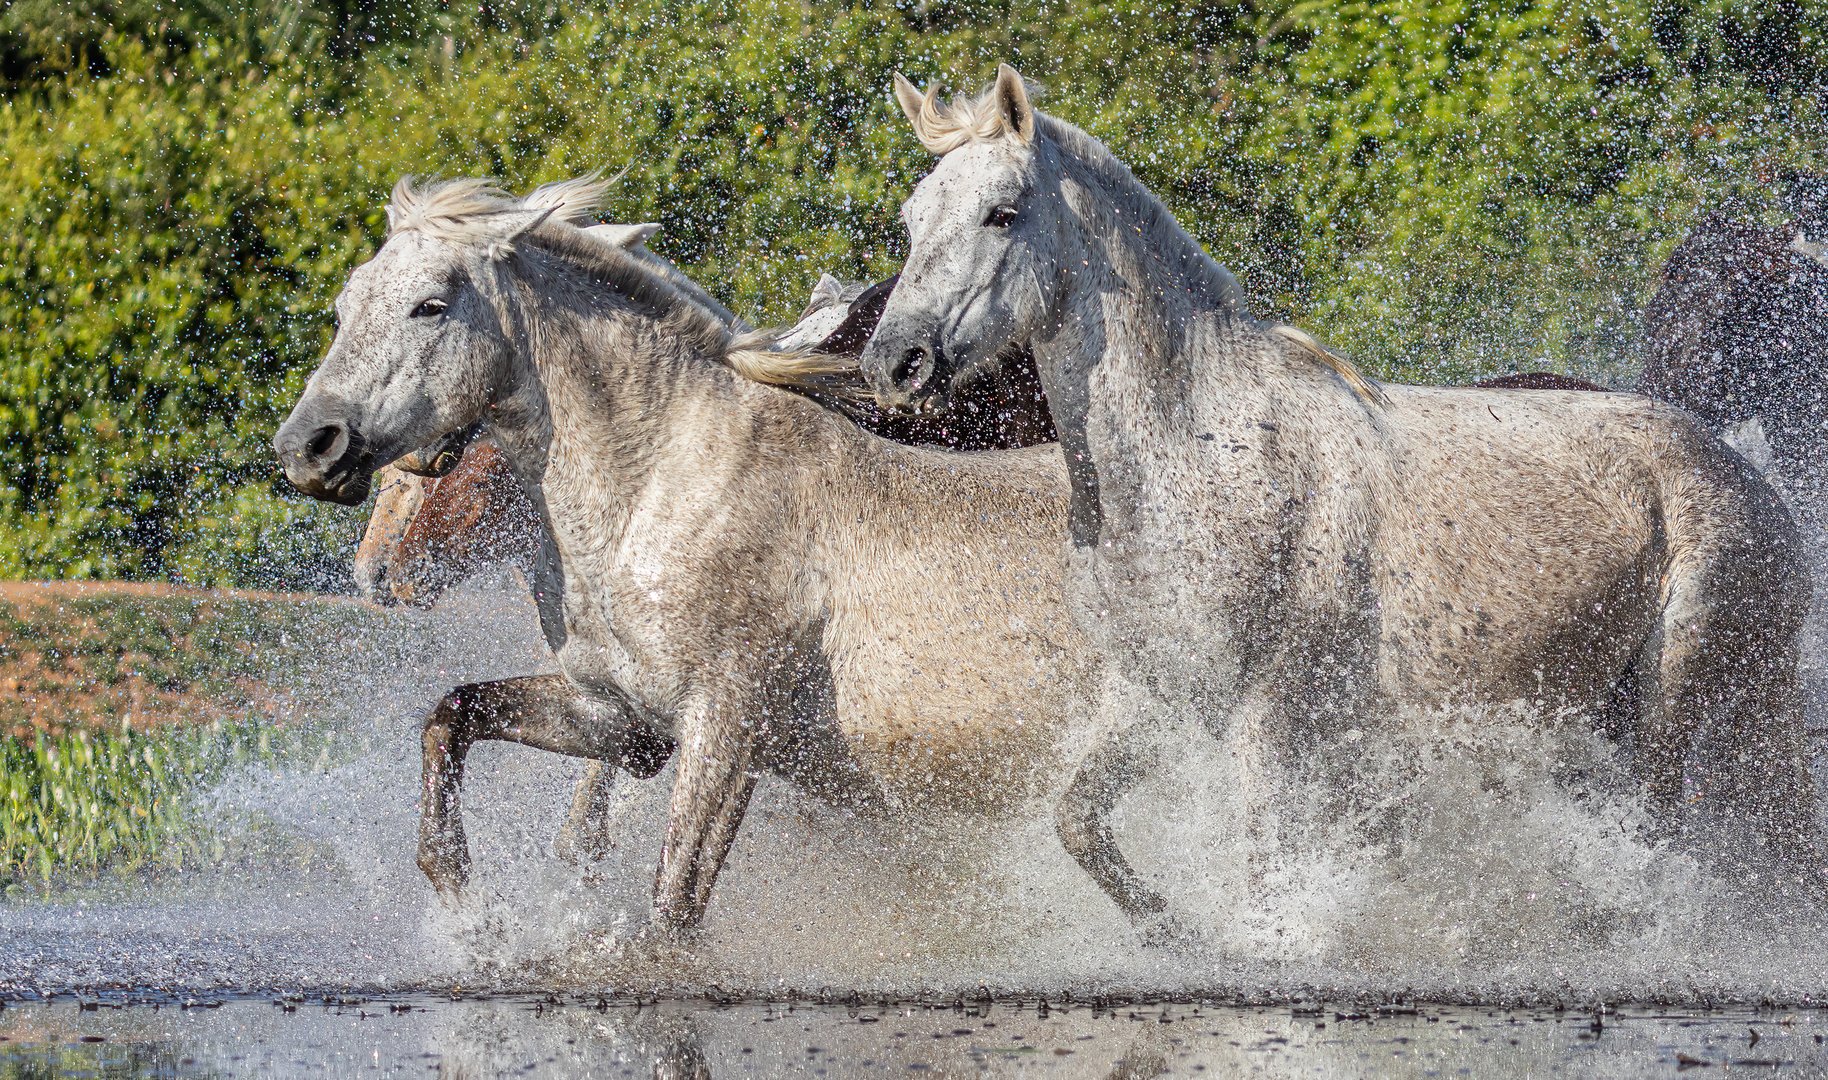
[1080, 827]
[644, 751]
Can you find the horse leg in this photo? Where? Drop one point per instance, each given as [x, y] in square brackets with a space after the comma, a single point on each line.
[710, 795]
[1726, 667]
[542, 711]
[1082, 817]
[1758, 764]
[1766, 771]
[1663, 727]
[585, 836]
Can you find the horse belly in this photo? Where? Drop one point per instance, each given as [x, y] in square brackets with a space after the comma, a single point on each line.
[978, 729]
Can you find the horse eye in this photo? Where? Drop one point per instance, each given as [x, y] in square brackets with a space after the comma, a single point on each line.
[433, 306]
[1000, 217]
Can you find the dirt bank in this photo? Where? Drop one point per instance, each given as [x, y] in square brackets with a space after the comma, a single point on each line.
[114, 655]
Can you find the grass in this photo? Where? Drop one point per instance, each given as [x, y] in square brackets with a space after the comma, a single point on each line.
[118, 710]
[77, 803]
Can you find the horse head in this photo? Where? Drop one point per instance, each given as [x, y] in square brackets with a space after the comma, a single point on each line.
[421, 351]
[988, 243]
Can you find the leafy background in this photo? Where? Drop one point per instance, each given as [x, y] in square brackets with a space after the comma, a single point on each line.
[1442, 189]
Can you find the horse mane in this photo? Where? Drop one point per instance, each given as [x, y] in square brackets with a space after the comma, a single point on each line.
[944, 127]
[980, 117]
[1344, 368]
[467, 211]
[460, 210]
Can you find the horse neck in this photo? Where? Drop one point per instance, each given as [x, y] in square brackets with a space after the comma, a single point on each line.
[693, 291]
[599, 396]
[1146, 289]
[1147, 316]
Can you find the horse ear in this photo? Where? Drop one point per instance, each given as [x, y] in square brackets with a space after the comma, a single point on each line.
[625, 236]
[829, 290]
[910, 100]
[510, 225]
[1013, 103]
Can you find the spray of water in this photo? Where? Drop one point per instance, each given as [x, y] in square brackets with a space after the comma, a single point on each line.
[1483, 855]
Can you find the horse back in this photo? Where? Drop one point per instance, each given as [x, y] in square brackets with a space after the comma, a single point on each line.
[1546, 528]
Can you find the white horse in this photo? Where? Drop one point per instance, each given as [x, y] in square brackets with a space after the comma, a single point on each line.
[460, 508]
[1263, 537]
[732, 569]
[493, 525]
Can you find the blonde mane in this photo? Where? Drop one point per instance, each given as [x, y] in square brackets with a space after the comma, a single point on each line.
[1363, 386]
[943, 128]
[468, 211]
[459, 211]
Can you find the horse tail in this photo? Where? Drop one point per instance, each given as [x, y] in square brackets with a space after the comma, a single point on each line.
[1363, 386]
[753, 357]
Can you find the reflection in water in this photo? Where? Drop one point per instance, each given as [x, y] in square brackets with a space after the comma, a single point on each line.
[549, 1037]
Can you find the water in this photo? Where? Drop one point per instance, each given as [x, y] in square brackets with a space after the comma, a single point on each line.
[1512, 870]
[553, 1036]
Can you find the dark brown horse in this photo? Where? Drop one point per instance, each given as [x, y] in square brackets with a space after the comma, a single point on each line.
[1005, 410]
[1539, 380]
[426, 534]
[1738, 331]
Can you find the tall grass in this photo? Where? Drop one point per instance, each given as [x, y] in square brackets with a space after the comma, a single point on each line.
[80, 803]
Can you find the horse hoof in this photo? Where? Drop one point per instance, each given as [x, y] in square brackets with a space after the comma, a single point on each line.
[1166, 930]
[661, 946]
[448, 876]
[575, 848]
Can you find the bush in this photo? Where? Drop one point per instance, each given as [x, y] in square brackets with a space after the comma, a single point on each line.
[1441, 189]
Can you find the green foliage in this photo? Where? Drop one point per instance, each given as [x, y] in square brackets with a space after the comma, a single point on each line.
[1439, 188]
[78, 803]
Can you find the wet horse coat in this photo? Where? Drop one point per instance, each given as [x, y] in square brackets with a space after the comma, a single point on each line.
[426, 533]
[1266, 540]
[732, 567]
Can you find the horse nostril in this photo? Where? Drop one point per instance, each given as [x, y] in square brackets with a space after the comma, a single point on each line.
[909, 368]
[324, 440]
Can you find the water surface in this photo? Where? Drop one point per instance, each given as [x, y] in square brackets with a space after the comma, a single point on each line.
[558, 1036]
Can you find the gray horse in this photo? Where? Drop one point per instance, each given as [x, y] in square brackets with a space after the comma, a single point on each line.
[460, 508]
[732, 569]
[1266, 539]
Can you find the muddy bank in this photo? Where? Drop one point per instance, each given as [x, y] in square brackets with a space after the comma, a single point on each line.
[113, 656]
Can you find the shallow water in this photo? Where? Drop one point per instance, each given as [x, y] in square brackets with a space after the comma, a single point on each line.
[1513, 869]
[553, 1036]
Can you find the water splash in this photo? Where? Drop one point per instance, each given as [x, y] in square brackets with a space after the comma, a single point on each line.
[1492, 859]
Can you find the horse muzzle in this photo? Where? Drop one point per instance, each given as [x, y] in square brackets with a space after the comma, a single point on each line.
[324, 456]
[908, 375]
